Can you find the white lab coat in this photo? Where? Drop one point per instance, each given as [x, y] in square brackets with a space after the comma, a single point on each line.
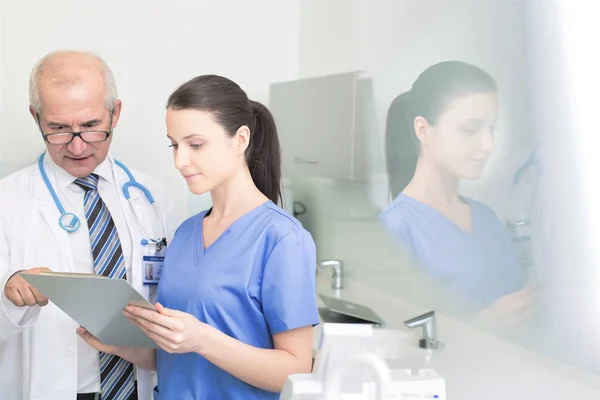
[38, 354]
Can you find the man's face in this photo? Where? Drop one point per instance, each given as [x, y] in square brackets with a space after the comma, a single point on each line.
[76, 108]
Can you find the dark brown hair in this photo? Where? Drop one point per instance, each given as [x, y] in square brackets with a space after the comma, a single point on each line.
[232, 109]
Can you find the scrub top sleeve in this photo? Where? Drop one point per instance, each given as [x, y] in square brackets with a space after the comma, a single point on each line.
[398, 228]
[288, 285]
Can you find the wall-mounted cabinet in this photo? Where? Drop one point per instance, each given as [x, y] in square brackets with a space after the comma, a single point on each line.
[323, 126]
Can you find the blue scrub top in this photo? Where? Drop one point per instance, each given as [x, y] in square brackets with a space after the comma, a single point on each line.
[475, 268]
[256, 280]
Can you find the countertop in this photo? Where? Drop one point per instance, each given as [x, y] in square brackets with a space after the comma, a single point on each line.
[475, 364]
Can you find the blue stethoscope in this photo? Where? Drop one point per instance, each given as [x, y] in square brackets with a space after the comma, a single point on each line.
[71, 222]
[531, 162]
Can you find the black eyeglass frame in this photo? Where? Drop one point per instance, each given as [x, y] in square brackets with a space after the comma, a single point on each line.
[106, 133]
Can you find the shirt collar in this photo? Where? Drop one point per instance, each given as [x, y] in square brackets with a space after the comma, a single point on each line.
[64, 179]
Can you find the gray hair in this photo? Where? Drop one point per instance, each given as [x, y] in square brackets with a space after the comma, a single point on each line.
[35, 102]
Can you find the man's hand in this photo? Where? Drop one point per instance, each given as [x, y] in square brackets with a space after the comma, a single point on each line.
[21, 293]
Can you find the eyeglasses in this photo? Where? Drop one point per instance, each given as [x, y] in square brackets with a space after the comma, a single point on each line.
[92, 136]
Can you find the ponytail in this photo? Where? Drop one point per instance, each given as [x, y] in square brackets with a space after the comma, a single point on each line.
[401, 147]
[263, 156]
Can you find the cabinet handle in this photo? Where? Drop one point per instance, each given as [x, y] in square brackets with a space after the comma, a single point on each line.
[305, 160]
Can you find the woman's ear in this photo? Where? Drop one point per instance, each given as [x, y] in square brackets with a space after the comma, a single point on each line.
[422, 130]
[242, 137]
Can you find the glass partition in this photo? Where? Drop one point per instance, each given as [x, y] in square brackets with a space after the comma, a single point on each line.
[420, 148]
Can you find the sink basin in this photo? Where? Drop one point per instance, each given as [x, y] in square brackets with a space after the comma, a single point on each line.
[389, 344]
[400, 349]
[397, 348]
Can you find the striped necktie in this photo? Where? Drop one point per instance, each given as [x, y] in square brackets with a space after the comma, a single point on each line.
[117, 379]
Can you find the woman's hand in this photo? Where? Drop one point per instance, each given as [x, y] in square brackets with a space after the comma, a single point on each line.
[174, 331]
[95, 343]
[510, 312]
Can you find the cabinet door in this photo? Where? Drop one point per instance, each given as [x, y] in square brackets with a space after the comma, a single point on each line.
[315, 120]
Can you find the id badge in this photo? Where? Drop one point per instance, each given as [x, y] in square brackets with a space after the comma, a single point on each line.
[152, 264]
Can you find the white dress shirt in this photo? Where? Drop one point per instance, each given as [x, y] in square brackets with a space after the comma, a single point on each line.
[71, 196]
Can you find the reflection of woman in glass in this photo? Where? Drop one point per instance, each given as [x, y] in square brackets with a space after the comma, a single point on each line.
[439, 132]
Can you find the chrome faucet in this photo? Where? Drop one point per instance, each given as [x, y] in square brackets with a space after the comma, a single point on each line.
[429, 339]
[337, 277]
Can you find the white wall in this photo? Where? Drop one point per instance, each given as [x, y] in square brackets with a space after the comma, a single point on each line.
[152, 46]
[331, 38]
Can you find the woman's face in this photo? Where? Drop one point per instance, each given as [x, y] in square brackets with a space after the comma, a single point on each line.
[204, 153]
[463, 138]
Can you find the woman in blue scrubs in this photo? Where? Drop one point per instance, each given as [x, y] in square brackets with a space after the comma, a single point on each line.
[236, 298]
[438, 133]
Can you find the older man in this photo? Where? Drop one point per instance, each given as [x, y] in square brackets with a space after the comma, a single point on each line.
[67, 213]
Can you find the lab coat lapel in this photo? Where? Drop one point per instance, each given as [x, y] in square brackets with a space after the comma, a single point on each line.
[45, 204]
[134, 275]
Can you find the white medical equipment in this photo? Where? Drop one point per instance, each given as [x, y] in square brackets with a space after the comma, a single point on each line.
[71, 222]
[355, 363]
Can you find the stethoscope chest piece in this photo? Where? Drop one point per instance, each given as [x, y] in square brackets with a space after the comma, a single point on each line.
[69, 221]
